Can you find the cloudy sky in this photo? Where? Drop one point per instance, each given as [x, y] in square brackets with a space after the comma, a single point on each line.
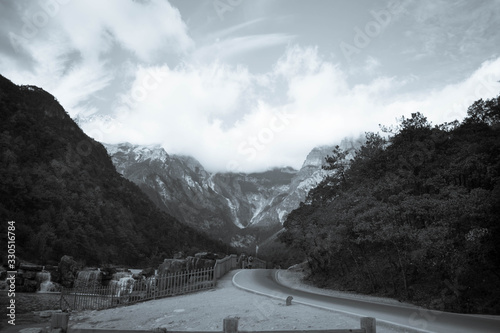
[244, 85]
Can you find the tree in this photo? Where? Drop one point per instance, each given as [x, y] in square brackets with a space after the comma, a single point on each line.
[414, 216]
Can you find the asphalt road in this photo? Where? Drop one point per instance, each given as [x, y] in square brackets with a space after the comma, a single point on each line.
[263, 281]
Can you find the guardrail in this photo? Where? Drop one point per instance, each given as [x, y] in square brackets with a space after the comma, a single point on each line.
[159, 286]
[97, 298]
[222, 266]
[229, 325]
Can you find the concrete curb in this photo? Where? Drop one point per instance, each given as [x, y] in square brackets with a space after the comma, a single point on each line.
[380, 322]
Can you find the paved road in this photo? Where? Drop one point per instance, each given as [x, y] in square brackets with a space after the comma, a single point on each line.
[263, 281]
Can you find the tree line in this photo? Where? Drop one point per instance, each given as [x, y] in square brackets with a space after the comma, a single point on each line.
[66, 197]
[413, 214]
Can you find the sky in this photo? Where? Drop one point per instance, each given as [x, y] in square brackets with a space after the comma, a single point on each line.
[247, 85]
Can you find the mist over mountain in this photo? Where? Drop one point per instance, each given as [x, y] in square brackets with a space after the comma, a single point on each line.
[231, 206]
[66, 196]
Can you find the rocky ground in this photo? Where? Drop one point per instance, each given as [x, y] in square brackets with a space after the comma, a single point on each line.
[206, 311]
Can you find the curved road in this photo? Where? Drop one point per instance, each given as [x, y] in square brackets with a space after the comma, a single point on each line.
[263, 281]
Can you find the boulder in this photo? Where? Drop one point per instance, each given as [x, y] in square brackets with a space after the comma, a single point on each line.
[31, 267]
[19, 280]
[108, 272]
[150, 271]
[179, 255]
[172, 266]
[67, 271]
[30, 275]
[198, 263]
[54, 272]
[200, 254]
[138, 277]
[191, 262]
[206, 255]
[28, 286]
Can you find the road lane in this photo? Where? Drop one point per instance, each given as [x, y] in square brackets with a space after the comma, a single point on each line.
[264, 281]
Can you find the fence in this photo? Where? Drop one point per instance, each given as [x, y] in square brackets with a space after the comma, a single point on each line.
[96, 298]
[229, 325]
[257, 263]
[222, 266]
[158, 286]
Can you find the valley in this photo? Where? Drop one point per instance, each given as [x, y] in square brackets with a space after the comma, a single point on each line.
[239, 208]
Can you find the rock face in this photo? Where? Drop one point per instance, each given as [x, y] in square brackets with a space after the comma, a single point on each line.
[172, 266]
[224, 205]
[32, 278]
[68, 269]
[199, 261]
[147, 272]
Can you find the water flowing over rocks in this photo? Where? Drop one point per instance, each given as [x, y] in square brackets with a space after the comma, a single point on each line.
[88, 279]
[33, 278]
[45, 284]
[70, 274]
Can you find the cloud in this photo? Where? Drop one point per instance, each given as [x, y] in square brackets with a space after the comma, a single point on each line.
[452, 101]
[145, 29]
[231, 47]
[75, 58]
[186, 110]
[132, 71]
[444, 29]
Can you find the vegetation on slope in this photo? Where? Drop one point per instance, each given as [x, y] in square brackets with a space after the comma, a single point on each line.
[63, 192]
[415, 216]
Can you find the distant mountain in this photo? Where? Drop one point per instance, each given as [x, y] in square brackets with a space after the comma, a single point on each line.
[65, 196]
[230, 206]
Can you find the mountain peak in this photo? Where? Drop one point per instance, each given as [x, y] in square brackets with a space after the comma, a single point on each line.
[316, 158]
[140, 153]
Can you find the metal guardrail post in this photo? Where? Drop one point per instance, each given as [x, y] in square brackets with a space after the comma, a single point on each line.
[369, 324]
[59, 320]
[230, 325]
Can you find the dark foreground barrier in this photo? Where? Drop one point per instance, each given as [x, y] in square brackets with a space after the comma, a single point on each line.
[59, 323]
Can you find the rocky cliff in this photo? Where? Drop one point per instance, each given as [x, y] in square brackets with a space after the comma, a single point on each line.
[226, 205]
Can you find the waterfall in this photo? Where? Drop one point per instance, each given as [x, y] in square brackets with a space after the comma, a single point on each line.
[88, 279]
[123, 282]
[44, 282]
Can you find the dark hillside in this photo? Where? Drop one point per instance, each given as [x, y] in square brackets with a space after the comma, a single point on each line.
[63, 192]
[415, 216]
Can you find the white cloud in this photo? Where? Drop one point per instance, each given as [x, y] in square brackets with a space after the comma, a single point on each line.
[231, 47]
[371, 65]
[224, 115]
[73, 57]
[187, 110]
[452, 101]
[143, 28]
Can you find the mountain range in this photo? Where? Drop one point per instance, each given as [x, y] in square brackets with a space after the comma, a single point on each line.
[64, 196]
[231, 206]
[68, 197]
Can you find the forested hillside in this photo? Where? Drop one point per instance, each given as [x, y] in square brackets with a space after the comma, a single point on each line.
[414, 215]
[65, 196]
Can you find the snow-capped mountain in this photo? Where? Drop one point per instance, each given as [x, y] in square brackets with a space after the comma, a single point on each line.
[225, 205]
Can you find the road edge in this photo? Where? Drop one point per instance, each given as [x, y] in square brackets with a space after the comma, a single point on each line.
[385, 323]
